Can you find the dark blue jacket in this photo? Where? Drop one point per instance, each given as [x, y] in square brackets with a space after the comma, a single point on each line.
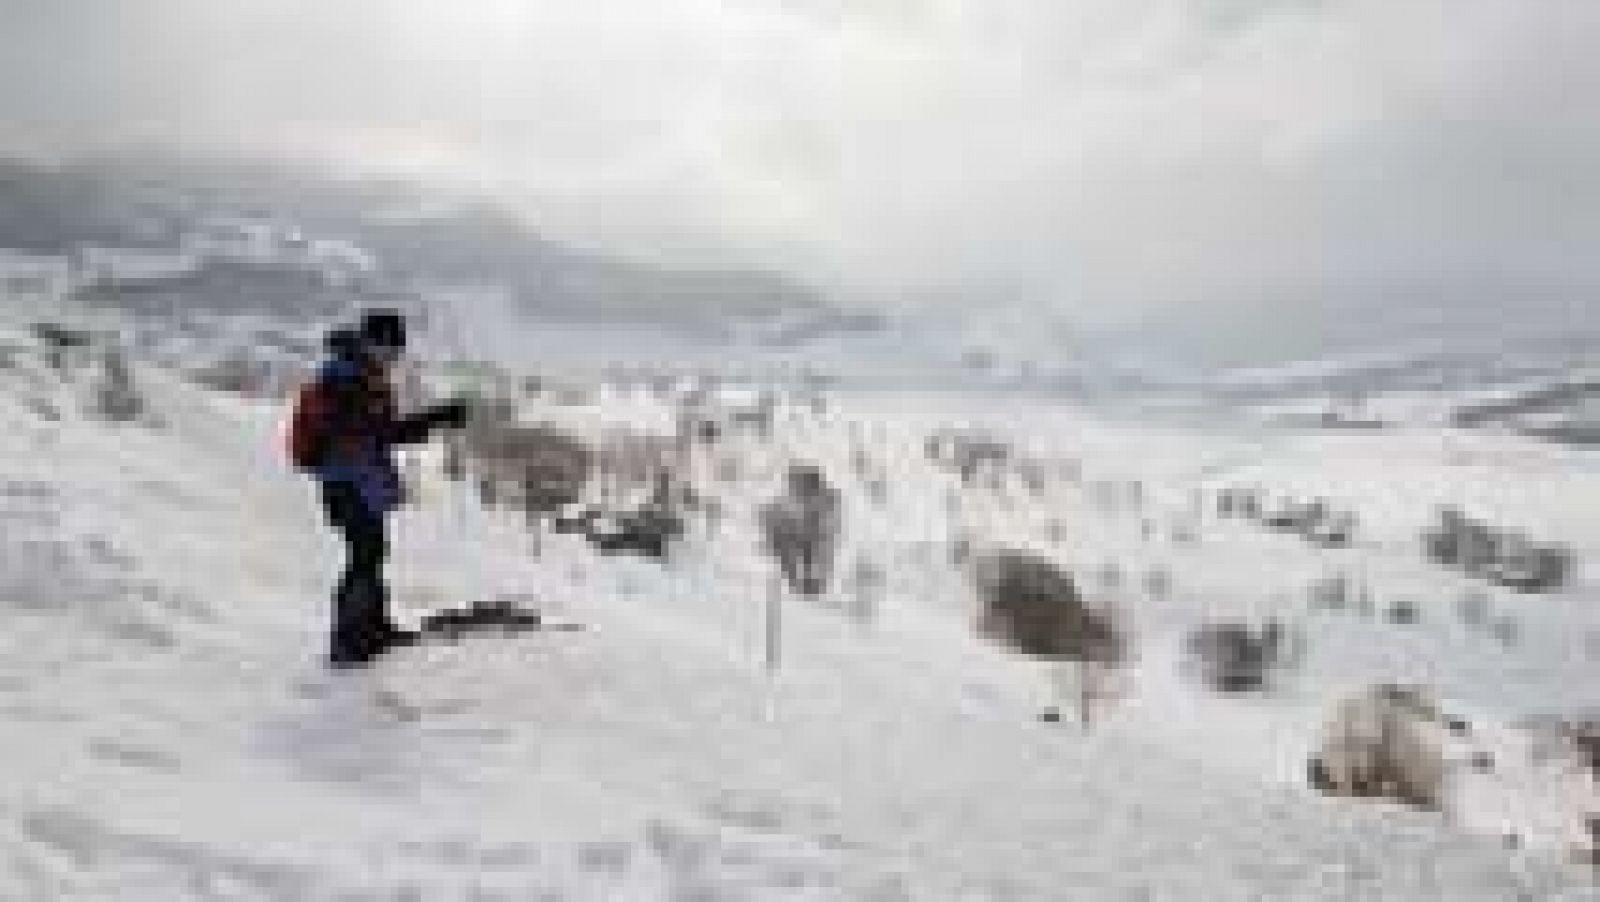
[349, 406]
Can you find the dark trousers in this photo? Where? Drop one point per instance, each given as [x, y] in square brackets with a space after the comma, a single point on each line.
[360, 602]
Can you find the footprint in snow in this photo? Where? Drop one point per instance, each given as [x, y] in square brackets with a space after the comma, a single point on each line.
[118, 752]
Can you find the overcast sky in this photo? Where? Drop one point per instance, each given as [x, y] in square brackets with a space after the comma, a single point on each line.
[1116, 158]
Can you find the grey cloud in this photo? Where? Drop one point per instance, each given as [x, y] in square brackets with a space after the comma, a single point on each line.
[1111, 157]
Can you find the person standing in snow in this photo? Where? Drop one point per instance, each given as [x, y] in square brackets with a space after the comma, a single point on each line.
[342, 432]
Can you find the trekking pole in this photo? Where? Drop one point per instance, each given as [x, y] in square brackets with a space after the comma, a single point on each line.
[774, 646]
[460, 381]
[774, 624]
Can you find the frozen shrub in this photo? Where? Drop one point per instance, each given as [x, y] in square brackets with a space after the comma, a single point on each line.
[1404, 612]
[989, 477]
[1441, 542]
[628, 461]
[1473, 608]
[1251, 507]
[1534, 568]
[801, 529]
[117, 399]
[966, 452]
[860, 464]
[571, 520]
[867, 582]
[1185, 533]
[649, 530]
[1366, 605]
[1033, 607]
[1110, 575]
[1505, 558]
[44, 409]
[571, 396]
[1029, 605]
[1507, 631]
[1158, 582]
[453, 466]
[1033, 477]
[961, 551]
[234, 374]
[1237, 657]
[58, 336]
[1247, 503]
[1584, 737]
[1331, 592]
[1289, 515]
[488, 493]
[1228, 502]
[543, 468]
[1335, 530]
[1056, 531]
[64, 346]
[1459, 541]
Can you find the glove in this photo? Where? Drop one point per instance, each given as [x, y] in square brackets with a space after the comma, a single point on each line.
[451, 414]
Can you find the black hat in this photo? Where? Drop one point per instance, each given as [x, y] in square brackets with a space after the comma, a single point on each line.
[384, 327]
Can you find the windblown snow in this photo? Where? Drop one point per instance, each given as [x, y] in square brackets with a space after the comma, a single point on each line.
[170, 733]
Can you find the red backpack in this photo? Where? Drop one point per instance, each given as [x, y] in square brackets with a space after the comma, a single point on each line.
[305, 438]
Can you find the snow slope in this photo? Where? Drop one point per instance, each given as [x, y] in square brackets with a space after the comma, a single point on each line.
[170, 734]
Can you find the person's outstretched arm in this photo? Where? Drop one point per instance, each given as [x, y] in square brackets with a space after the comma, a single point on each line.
[417, 427]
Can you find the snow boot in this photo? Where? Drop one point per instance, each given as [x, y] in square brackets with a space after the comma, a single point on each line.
[396, 637]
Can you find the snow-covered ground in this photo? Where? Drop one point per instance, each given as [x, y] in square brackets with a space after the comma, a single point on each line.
[170, 733]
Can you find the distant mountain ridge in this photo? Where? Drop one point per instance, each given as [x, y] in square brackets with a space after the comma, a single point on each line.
[418, 244]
